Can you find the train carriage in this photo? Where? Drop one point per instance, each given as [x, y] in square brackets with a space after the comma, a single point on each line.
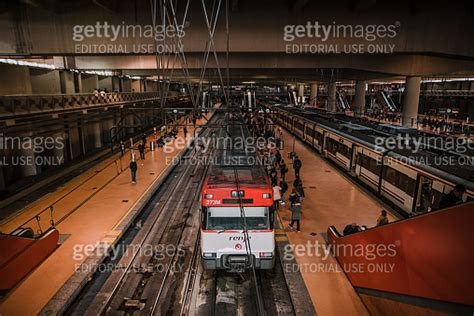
[411, 187]
[223, 241]
[237, 212]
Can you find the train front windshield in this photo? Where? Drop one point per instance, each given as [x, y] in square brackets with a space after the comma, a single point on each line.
[229, 218]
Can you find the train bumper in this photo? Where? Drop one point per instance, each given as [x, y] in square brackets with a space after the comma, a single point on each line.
[237, 263]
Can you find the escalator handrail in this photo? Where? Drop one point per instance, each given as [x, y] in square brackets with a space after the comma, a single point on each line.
[339, 235]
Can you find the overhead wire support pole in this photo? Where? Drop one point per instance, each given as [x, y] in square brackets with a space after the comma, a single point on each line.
[211, 39]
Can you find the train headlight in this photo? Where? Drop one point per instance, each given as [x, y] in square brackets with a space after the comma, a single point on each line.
[266, 196]
[266, 254]
[237, 193]
[209, 255]
[208, 196]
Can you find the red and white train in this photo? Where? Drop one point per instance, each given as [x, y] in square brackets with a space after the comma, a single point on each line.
[237, 230]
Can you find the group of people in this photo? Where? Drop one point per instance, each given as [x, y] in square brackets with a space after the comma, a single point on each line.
[277, 170]
[442, 125]
[355, 228]
[385, 116]
[454, 197]
[161, 141]
[100, 92]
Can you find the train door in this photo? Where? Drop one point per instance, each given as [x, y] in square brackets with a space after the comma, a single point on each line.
[423, 198]
[353, 162]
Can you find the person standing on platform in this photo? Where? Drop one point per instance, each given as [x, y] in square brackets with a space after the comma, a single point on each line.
[299, 188]
[295, 216]
[122, 148]
[274, 176]
[133, 170]
[383, 219]
[141, 149]
[276, 196]
[294, 197]
[284, 188]
[278, 157]
[297, 166]
[185, 131]
[283, 169]
[453, 198]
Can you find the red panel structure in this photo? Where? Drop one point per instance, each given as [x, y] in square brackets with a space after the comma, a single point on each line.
[20, 255]
[429, 256]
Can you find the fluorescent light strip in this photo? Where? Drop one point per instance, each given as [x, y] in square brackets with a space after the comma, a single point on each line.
[25, 63]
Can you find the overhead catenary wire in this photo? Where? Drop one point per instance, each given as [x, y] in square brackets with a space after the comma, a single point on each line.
[248, 249]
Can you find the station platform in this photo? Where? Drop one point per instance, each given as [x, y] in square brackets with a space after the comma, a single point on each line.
[330, 199]
[90, 209]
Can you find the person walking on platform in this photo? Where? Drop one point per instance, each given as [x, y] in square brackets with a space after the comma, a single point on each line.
[185, 131]
[122, 148]
[295, 216]
[299, 188]
[276, 196]
[141, 149]
[294, 197]
[283, 169]
[297, 166]
[278, 158]
[274, 176]
[133, 170]
[383, 219]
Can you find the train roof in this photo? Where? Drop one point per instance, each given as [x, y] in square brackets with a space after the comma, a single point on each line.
[426, 159]
[245, 175]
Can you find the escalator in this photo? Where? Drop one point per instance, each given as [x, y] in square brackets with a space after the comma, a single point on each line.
[428, 258]
[385, 101]
[342, 103]
[21, 252]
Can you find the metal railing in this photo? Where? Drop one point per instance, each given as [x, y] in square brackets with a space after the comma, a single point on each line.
[19, 105]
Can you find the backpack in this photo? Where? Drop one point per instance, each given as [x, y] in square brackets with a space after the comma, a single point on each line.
[297, 164]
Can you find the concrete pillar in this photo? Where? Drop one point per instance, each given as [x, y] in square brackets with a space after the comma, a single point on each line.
[126, 85]
[359, 101]
[2, 178]
[45, 81]
[27, 155]
[74, 142]
[97, 132]
[314, 93]
[14, 80]
[331, 105]
[89, 83]
[410, 101]
[78, 82]
[301, 90]
[66, 79]
[59, 148]
[115, 84]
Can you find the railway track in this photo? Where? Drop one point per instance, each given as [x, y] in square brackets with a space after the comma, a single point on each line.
[222, 293]
[155, 266]
[170, 278]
